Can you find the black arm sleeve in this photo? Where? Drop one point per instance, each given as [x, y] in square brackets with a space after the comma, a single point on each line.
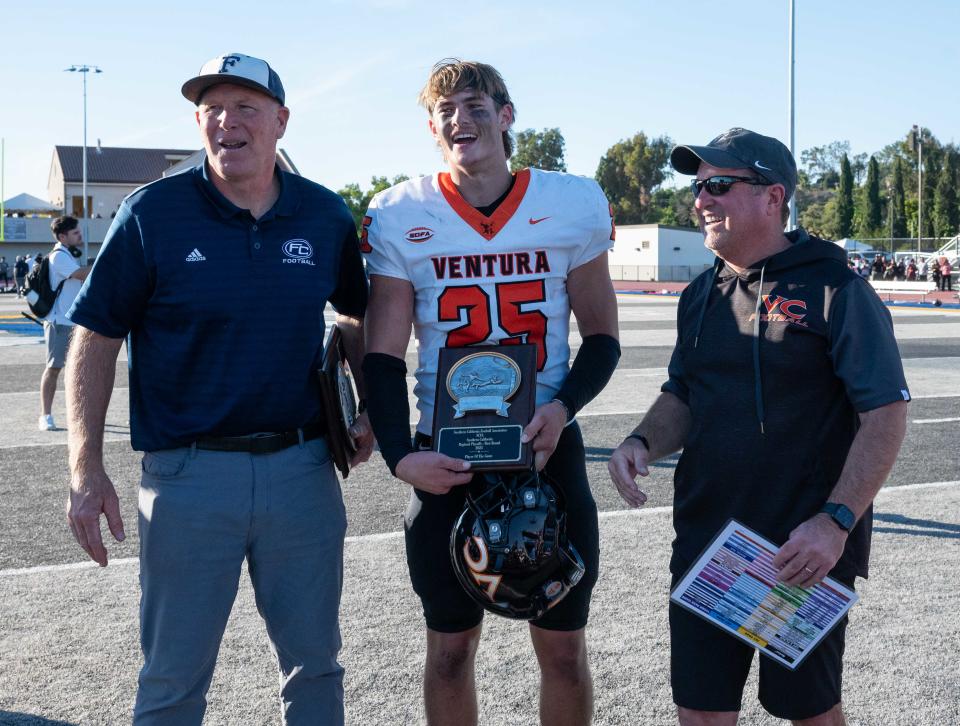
[350, 296]
[591, 370]
[387, 406]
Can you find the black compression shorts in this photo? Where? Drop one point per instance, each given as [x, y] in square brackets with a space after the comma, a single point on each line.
[430, 517]
[708, 670]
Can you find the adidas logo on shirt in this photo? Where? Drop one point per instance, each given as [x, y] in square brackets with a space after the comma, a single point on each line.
[195, 256]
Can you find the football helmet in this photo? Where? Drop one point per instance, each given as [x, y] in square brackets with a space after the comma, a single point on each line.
[509, 547]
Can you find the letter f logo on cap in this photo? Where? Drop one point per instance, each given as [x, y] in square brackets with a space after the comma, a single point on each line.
[228, 60]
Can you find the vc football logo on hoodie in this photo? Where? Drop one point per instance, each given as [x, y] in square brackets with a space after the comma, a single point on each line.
[781, 310]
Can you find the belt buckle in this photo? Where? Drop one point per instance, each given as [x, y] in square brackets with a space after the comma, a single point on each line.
[263, 443]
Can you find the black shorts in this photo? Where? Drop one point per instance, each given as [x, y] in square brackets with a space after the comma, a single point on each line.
[708, 669]
[430, 517]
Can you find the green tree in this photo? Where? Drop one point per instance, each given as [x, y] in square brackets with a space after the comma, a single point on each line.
[858, 163]
[539, 150]
[931, 173]
[819, 215]
[674, 207]
[946, 213]
[358, 200]
[822, 163]
[872, 218]
[629, 173]
[897, 201]
[845, 200]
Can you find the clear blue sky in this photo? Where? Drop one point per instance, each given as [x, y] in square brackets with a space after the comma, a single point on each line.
[600, 71]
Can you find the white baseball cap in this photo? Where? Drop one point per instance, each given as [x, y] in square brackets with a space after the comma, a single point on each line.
[236, 68]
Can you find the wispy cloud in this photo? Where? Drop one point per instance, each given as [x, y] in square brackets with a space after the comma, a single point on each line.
[335, 80]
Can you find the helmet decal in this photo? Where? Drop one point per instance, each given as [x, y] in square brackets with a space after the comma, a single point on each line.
[479, 564]
[478, 568]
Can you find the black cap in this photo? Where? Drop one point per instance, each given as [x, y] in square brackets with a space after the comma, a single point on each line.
[238, 69]
[741, 149]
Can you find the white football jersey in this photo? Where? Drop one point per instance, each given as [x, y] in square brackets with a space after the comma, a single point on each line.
[488, 280]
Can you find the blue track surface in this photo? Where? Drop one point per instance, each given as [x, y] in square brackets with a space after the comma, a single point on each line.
[21, 327]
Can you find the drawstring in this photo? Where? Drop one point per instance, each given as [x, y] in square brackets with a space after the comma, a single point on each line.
[706, 299]
[758, 383]
[756, 353]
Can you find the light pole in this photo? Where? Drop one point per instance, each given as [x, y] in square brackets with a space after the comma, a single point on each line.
[918, 136]
[793, 151]
[84, 69]
[3, 168]
[890, 212]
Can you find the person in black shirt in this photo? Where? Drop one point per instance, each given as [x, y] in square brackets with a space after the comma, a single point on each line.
[786, 393]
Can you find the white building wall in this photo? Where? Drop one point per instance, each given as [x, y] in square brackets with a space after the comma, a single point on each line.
[55, 184]
[105, 200]
[646, 252]
[36, 230]
[636, 244]
[32, 235]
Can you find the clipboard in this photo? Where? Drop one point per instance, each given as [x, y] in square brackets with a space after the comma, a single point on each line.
[733, 586]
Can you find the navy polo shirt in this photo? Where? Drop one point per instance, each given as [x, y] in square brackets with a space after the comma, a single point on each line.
[224, 312]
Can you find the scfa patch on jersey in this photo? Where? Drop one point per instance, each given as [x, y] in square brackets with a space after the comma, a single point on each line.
[418, 234]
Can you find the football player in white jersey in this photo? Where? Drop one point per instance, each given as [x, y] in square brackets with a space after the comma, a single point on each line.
[471, 256]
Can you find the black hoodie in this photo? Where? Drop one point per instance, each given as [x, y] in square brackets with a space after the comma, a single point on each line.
[775, 363]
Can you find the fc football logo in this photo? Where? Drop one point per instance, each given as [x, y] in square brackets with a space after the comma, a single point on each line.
[298, 252]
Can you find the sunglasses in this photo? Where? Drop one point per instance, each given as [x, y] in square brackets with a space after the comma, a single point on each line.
[720, 185]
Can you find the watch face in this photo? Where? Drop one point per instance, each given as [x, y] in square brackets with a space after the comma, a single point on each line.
[844, 516]
[841, 514]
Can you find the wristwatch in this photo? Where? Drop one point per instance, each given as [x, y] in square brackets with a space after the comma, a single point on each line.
[840, 514]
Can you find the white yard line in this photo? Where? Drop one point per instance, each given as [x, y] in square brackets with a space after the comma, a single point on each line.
[387, 536]
[586, 413]
[911, 487]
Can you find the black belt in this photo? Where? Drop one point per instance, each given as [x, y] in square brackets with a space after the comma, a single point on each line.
[265, 443]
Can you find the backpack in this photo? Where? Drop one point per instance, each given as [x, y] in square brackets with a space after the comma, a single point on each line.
[40, 296]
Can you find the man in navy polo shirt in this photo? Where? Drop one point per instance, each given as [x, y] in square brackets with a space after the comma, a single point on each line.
[219, 276]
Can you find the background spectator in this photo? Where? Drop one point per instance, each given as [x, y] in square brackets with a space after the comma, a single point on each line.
[20, 270]
[946, 281]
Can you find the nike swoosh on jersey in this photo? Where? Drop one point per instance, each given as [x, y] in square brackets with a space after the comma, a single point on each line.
[537, 221]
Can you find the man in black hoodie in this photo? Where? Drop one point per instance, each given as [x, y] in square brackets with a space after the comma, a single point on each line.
[787, 394]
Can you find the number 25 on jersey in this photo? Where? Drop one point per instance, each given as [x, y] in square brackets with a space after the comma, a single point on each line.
[520, 326]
